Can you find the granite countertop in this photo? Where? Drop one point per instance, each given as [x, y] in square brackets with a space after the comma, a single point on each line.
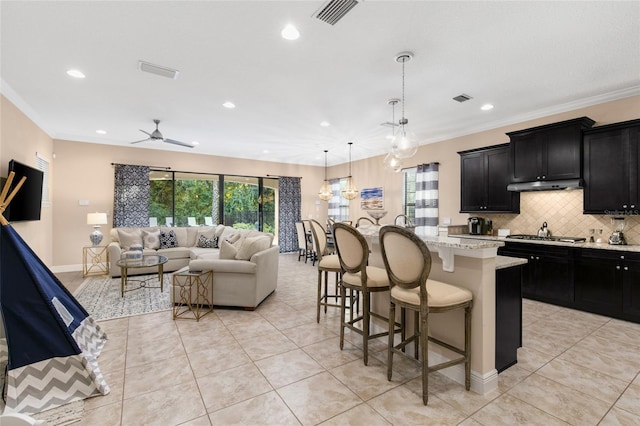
[503, 262]
[597, 246]
[457, 242]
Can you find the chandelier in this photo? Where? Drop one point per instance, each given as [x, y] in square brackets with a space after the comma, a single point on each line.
[391, 161]
[325, 190]
[350, 190]
[404, 144]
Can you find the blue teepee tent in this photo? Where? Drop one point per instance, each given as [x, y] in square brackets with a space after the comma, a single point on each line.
[51, 343]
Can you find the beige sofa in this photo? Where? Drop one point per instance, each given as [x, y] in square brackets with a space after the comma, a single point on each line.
[243, 282]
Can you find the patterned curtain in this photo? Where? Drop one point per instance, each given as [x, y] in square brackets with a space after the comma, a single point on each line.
[290, 212]
[427, 199]
[131, 196]
[334, 203]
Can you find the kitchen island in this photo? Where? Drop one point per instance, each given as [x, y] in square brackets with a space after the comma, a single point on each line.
[471, 264]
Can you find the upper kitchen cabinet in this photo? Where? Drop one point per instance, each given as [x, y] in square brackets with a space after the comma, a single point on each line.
[484, 176]
[548, 153]
[611, 164]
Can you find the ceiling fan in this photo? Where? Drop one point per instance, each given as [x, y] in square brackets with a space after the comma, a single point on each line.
[157, 136]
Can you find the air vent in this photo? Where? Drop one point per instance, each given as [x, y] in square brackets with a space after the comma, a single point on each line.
[334, 10]
[462, 98]
[158, 70]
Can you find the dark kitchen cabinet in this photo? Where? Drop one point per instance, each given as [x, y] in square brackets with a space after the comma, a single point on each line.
[550, 152]
[548, 275]
[484, 176]
[608, 283]
[508, 316]
[612, 169]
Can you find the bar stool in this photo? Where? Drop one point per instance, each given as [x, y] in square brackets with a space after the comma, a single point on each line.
[408, 264]
[353, 253]
[326, 263]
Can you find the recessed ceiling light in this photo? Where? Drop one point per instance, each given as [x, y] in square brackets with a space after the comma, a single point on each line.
[325, 124]
[75, 73]
[265, 151]
[229, 105]
[486, 107]
[290, 32]
[195, 143]
[101, 132]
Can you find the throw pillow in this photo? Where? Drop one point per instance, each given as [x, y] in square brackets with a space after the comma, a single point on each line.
[168, 239]
[151, 239]
[205, 242]
[251, 246]
[227, 251]
[129, 238]
[234, 237]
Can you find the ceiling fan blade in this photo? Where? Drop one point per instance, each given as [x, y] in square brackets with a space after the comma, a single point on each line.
[188, 145]
[143, 140]
[145, 132]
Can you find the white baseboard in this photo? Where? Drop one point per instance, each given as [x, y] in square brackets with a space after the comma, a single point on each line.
[480, 383]
[66, 268]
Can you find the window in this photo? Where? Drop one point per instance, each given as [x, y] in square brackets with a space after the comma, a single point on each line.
[409, 193]
[42, 164]
[188, 199]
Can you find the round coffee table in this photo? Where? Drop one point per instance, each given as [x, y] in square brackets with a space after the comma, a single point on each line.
[146, 262]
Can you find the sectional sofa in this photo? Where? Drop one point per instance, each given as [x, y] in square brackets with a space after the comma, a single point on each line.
[244, 262]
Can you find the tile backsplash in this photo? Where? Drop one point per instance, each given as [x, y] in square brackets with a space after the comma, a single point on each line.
[562, 210]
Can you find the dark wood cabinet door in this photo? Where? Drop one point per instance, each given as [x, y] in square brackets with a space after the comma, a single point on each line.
[631, 291]
[562, 153]
[472, 185]
[597, 285]
[553, 279]
[508, 316]
[634, 170]
[606, 171]
[497, 179]
[526, 157]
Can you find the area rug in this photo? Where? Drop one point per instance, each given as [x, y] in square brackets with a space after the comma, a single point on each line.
[101, 297]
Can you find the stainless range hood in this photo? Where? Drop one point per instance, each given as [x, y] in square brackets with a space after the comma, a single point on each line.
[543, 185]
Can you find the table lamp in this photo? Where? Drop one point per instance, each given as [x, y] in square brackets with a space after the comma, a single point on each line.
[96, 219]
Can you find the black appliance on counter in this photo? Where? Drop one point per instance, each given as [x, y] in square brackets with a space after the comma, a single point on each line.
[479, 225]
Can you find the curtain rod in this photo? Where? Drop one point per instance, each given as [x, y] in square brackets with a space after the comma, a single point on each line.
[151, 167]
[411, 167]
[278, 176]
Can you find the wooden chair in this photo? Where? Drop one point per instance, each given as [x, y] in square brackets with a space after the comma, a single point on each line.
[365, 220]
[353, 253]
[408, 263]
[303, 242]
[326, 263]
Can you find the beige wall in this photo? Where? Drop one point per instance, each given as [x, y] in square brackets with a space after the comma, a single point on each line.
[20, 139]
[84, 171]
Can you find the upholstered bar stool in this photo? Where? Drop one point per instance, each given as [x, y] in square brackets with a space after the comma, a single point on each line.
[353, 252]
[408, 264]
[326, 263]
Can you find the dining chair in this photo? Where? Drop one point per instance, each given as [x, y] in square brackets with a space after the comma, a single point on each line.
[364, 219]
[361, 279]
[303, 242]
[407, 262]
[326, 263]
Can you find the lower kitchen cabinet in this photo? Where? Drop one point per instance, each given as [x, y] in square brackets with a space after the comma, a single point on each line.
[508, 316]
[608, 283]
[548, 277]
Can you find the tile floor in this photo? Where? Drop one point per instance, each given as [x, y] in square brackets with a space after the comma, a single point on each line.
[276, 366]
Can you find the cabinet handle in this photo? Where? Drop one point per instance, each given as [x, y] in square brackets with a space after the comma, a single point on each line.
[633, 206]
[531, 257]
[618, 267]
[624, 206]
[626, 268]
[537, 258]
[622, 256]
[537, 177]
[544, 177]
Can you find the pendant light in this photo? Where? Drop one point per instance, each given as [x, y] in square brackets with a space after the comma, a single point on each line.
[325, 190]
[391, 162]
[350, 191]
[404, 145]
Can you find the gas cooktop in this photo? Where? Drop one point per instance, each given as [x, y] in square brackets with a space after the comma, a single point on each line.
[538, 238]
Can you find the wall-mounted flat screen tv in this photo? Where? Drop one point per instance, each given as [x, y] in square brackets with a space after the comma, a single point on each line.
[27, 203]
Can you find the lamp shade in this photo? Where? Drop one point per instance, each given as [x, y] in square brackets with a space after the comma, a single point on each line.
[96, 218]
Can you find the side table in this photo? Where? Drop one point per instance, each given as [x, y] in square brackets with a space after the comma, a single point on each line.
[187, 306]
[95, 261]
